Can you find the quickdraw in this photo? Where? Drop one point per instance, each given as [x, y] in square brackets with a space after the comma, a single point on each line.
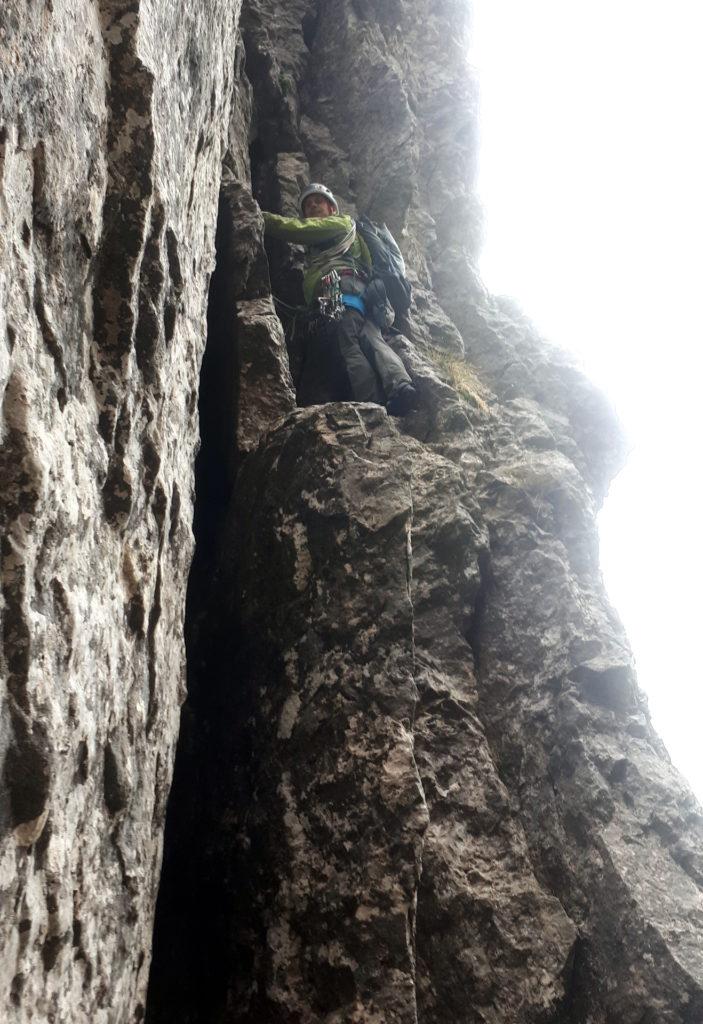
[330, 297]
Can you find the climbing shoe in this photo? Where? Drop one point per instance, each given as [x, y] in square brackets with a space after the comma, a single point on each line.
[402, 401]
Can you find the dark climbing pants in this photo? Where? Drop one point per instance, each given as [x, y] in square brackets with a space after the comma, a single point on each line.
[349, 360]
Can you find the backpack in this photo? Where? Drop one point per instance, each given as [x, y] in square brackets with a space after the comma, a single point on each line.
[387, 261]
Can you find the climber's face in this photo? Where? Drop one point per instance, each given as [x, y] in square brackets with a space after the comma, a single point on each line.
[317, 205]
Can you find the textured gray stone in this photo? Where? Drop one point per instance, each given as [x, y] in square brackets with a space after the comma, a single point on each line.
[110, 153]
[416, 780]
[529, 737]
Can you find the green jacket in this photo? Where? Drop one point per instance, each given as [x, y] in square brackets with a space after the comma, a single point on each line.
[316, 233]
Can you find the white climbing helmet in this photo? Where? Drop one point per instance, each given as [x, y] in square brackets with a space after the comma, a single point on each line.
[316, 189]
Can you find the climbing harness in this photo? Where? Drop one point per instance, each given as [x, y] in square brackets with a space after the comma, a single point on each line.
[355, 302]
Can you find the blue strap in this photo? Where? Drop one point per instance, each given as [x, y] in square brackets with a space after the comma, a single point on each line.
[355, 302]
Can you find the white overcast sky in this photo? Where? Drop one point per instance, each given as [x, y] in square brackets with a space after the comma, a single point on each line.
[592, 182]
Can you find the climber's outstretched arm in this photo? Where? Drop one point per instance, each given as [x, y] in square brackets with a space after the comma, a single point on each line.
[310, 231]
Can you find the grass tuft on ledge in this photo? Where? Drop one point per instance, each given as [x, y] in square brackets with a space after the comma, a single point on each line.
[460, 375]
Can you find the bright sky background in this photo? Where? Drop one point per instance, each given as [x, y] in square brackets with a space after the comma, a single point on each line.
[592, 183]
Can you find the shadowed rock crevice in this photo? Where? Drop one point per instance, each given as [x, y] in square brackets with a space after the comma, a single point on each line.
[244, 388]
[189, 960]
[218, 400]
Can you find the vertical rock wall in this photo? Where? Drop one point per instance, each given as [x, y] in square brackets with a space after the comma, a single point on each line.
[416, 781]
[422, 781]
[113, 125]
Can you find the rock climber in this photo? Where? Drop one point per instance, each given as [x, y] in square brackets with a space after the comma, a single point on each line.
[347, 357]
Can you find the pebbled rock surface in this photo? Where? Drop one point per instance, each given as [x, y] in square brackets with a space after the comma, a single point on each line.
[415, 781]
[111, 148]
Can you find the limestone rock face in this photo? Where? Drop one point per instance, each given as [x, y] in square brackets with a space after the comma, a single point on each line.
[393, 849]
[113, 126]
[416, 782]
